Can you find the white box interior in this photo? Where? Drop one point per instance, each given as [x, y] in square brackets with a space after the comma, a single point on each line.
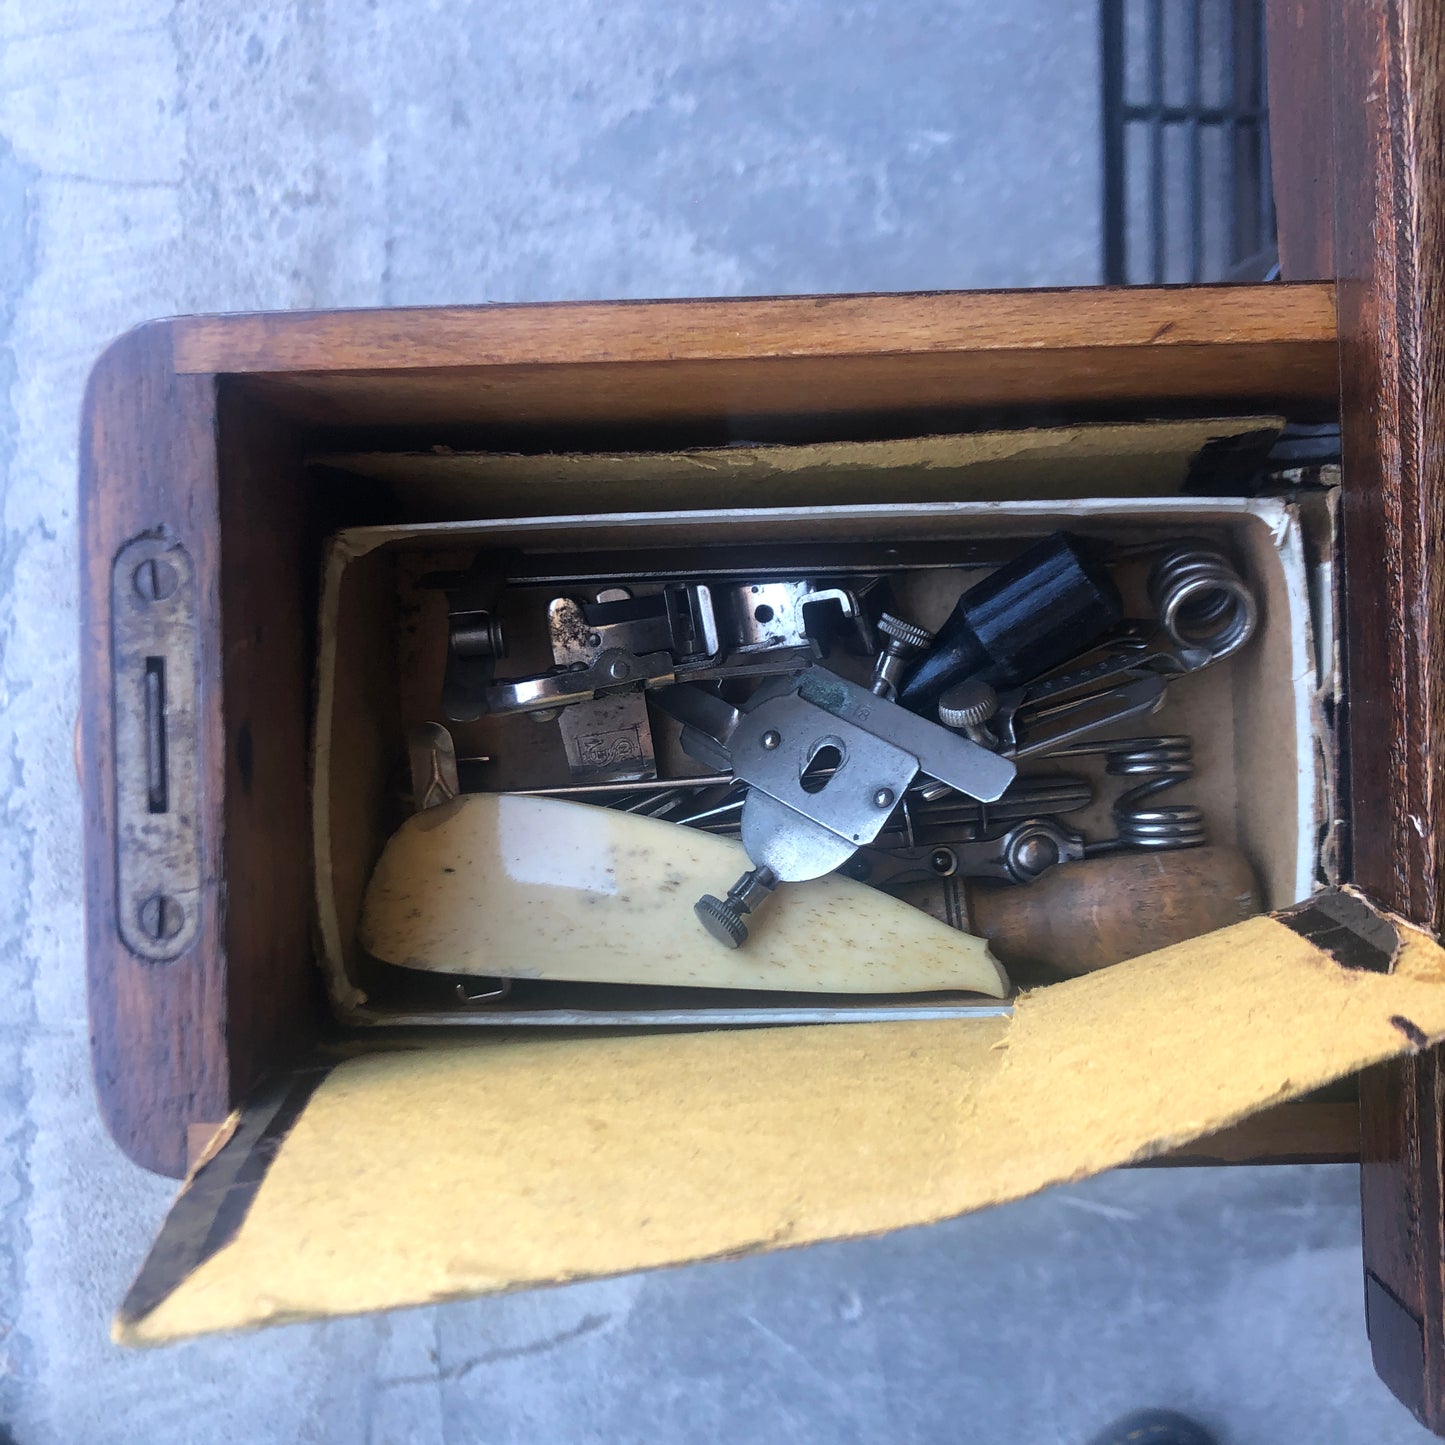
[1255, 720]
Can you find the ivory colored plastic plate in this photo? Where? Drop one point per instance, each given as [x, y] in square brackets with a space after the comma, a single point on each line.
[502, 886]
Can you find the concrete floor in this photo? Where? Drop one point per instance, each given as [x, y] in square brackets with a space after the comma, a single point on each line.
[159, 156]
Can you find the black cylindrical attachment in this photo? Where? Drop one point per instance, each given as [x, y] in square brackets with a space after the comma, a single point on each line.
[1051, 602]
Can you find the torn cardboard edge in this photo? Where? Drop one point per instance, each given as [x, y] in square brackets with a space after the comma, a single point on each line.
[1341, 923]
[1101, 459]
[412, 1177]
[216, 1199]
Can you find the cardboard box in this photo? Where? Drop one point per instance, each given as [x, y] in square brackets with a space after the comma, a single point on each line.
[418, 1167]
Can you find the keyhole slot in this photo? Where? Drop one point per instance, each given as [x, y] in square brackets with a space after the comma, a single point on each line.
[822, 767]
[157, 792]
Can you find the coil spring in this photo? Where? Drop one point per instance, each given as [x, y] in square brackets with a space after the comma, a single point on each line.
[1201, 600]
[1163, 762]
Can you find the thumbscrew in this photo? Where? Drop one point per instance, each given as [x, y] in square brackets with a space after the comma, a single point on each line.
[967, 706]
[905, 642]
[723, 917]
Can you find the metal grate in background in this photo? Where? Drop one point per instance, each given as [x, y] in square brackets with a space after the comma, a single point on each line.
[1187, 186]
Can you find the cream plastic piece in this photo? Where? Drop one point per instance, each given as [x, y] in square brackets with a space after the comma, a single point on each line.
[516, 887]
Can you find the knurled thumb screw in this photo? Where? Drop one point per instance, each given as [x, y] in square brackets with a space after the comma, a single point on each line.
[905, 641]
[967, 706]
[723, 917]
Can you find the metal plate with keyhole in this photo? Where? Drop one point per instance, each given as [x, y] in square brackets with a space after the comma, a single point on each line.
[827, 810]
[154, 649]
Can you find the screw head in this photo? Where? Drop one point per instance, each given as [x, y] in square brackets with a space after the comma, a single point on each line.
[907, 635]
[722, 920]
[594, 639]
[618, 669]
[967, 704]
[1033, 854]
[155, 579]
[943, 861]
[883, 798]
[771, 739]
[161, 917]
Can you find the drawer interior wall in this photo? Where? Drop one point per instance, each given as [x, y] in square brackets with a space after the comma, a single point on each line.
[277, 508]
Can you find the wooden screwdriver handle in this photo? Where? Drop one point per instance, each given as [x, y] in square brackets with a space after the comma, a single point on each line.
[1088, 915]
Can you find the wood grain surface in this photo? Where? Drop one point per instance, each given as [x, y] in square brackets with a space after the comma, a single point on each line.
[746, 368]
[1301, 137]
[580, 333]
[603, 404]
[1389, 252]
[1310, 1131]
[184, 1041]
[270, 539]
[1096, 913]
[158, 1030]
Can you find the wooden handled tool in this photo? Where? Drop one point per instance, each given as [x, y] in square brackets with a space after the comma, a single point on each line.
[1088, 915]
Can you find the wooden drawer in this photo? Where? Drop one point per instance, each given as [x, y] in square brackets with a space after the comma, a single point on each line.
[198, 429]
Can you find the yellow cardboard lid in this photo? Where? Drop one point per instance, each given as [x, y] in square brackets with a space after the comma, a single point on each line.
[408, 1177]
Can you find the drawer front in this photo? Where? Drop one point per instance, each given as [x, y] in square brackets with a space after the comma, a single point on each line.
[197, 430]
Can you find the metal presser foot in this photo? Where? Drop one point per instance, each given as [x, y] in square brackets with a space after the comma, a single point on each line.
[825, 762]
